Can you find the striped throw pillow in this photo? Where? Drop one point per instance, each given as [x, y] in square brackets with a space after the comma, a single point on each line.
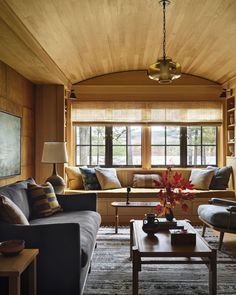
[43, 200]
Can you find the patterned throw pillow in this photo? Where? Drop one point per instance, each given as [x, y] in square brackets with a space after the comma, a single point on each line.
[43, 200]
[90, 180]
[107, 178]
[145, 180]
[74, 177]
[10, 212]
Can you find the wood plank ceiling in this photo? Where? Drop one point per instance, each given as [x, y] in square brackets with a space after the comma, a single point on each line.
[67, 41]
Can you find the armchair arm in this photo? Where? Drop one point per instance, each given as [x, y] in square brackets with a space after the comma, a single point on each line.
[223, 202]
[78, 202]
[231, 209]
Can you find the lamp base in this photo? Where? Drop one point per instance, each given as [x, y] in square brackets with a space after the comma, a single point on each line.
[57, 182]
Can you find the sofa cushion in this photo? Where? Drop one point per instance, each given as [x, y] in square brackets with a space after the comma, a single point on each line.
[89, 222]
[17, 192]
[43, 200]
[146, 180]
[107, 178]
[90, 180]
[221, 177]
[217, 216]
[10, 212]
[201, 178]
[74, 176]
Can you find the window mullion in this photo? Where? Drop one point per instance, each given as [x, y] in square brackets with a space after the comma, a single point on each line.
[108, 146]
[183, 146]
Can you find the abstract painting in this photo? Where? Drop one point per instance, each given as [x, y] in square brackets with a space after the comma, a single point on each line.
[10, 145]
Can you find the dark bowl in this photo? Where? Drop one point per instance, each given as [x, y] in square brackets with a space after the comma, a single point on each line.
[12, 247]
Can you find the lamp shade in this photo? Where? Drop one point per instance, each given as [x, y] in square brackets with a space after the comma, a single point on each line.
[54, 152]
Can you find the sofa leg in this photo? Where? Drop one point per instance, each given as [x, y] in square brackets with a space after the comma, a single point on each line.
[96, 245]
[203, 230]
[221, 240]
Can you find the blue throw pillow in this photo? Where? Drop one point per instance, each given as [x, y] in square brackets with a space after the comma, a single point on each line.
[89, 178]
[221, 177]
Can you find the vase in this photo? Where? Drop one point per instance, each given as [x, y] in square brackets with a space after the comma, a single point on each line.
[150, 224]
[169, 216]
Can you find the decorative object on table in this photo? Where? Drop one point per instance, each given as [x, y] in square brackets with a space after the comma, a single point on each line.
[127, 195]
[55, 153]
[150, 224]
[10, 139]
[164, 70]
[182, 237]
[171, 193]
[12, 247]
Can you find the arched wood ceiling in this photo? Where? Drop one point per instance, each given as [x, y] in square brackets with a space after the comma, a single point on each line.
[63, 41]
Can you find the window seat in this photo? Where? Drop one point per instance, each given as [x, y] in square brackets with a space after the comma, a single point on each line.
[106, 197]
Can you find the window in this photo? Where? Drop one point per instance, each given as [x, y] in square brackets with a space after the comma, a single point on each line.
[126, 145]
[90, 145]
[108, 146]
[184, 146]
[113, 146]
[165, 145]
[201, 145]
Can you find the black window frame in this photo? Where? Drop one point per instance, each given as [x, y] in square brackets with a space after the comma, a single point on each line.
[184, 147]
[108, 146]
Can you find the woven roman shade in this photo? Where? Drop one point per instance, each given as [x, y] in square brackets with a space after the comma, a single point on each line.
[168, 113]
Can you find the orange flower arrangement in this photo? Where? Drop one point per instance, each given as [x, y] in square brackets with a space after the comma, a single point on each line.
[171, 192]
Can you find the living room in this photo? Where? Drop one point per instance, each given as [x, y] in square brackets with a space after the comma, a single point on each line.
[76, 73]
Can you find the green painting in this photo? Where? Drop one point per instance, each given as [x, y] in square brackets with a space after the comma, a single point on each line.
[10, 145]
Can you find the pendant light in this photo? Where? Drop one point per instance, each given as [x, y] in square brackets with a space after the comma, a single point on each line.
[164, 70]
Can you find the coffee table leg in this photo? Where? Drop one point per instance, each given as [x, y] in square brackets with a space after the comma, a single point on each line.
[136, 268]
[213, 274]
[116, 221]
[131, 238]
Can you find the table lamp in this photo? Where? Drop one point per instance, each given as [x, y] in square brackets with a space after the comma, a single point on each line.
[55, 152]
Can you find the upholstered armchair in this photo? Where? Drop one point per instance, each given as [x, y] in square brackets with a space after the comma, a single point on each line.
[220, 215]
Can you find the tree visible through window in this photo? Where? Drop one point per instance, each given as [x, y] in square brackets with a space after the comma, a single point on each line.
[184, 146]
[108, 146]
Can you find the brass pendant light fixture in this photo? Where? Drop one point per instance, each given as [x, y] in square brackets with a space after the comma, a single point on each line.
[164, 70]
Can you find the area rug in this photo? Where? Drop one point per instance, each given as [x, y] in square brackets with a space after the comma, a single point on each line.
[112, 271]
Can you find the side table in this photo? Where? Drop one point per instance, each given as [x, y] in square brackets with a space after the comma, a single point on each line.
[13, 266]
[118, 205]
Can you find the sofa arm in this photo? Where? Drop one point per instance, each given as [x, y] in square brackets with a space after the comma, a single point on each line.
[223, 202]
[78, 202]
[59, 258]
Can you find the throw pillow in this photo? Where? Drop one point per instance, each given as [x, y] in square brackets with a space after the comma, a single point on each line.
[10, 212]
[220, 178]
[201, 178]
[74, 176]
[145, 180]
[107, 178]
[90, 180]
[43, 200]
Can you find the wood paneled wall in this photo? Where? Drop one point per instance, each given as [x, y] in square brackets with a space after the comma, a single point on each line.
[136, 86]
[17, 97]
[50, 125]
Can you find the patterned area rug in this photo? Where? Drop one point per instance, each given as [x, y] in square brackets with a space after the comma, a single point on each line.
[112, 271]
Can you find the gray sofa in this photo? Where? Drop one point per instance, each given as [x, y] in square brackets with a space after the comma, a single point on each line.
[65, 240]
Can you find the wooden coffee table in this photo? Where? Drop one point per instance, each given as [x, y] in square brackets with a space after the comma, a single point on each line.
[117, 205]
[155, 248]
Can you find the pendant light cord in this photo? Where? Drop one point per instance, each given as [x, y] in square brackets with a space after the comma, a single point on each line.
[164, 29]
